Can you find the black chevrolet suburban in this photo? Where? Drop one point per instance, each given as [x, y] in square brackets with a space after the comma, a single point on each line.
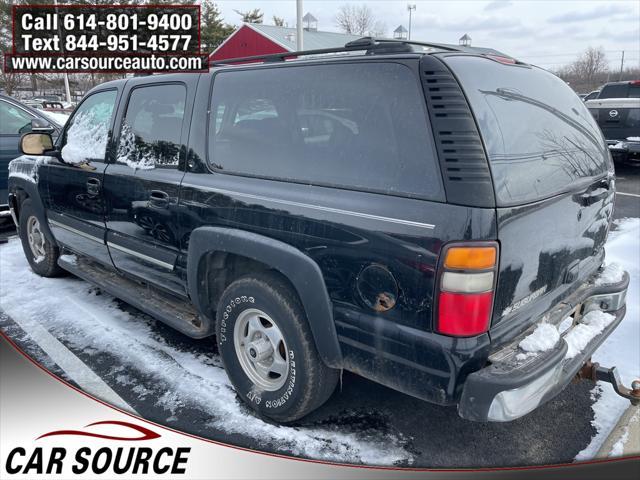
[408, 212]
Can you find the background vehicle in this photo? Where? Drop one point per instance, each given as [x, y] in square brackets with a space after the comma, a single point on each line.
[626, 89]
[619, 120]
[591, 95]
[15, 120]
[340, 212]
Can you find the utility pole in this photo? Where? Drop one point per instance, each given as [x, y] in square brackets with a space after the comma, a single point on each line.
[411, 8]
[299, 30]
[67, 91]
[621, 66]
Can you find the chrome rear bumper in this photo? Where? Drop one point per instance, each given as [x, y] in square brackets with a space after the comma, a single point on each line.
[515, 384]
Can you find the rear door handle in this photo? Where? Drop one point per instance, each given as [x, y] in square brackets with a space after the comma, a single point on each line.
[159, 199]
[93, 186]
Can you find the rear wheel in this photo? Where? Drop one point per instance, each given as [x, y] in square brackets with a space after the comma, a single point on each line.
[268, 350]
[40, 250]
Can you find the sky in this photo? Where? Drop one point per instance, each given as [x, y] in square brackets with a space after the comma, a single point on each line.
[548, 33]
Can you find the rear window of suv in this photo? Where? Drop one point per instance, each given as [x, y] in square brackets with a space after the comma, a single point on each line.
[539, 136]
[620, 90]
[359, 126]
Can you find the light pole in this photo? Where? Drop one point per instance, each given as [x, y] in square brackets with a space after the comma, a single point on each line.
[67, 91]
[299, 42]
[411, 8]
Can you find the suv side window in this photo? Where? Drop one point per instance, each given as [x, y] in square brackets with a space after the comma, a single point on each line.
[620, 90]
[358, 126]
[152, 127]
[86, 133]
[14, 121]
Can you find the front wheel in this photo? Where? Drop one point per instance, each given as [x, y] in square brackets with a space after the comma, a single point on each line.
[40, 250]
[268, 350]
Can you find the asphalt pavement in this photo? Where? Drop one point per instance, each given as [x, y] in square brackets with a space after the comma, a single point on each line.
[628, 191]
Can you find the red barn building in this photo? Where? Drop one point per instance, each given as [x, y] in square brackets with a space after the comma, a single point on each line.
[258, 39]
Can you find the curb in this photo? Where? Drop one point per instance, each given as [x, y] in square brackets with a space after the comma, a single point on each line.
[624, 439]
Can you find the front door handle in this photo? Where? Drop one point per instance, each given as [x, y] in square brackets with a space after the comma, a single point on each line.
[93, 186]
[159, 199]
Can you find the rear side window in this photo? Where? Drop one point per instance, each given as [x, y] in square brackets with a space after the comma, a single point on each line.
[358, 126]
[539, 136]
[151, 128]
[620, 90]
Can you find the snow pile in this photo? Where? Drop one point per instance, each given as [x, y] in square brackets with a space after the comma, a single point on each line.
[565, 325]
[86, 139]
[592, 324]
[612, 273]
[622, 348]
[543, 338]
[182, 378]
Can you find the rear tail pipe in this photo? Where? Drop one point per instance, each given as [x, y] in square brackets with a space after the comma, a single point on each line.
[594, 372]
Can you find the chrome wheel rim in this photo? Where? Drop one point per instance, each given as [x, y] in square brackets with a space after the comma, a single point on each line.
[36, 239]
[261, 349]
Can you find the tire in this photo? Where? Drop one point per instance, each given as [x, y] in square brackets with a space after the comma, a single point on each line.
[307, 382]
[41, 251]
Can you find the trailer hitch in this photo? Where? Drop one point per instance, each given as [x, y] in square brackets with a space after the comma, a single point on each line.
[594, 372]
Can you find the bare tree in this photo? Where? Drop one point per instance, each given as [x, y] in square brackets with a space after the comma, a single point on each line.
[591, 63]
[588, 71]
[379, 29]
[358, 20]
[253, 16]
[9, 81]
[278, 21]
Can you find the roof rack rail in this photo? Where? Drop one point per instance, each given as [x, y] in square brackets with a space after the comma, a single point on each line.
[369, 44]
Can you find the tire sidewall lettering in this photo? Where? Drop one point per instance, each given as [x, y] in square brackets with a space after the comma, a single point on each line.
[230, 307]
[289, 387]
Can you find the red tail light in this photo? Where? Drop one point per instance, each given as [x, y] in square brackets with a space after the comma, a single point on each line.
[635, 82]
[464, 314]
[466, 285]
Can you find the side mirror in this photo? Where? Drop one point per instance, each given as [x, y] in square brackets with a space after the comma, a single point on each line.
[36, 143]
[40, 125]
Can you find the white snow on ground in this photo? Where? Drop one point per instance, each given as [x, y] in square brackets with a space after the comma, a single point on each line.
[622, 348]
[71, 311]
[590, 325]
[543, 338]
